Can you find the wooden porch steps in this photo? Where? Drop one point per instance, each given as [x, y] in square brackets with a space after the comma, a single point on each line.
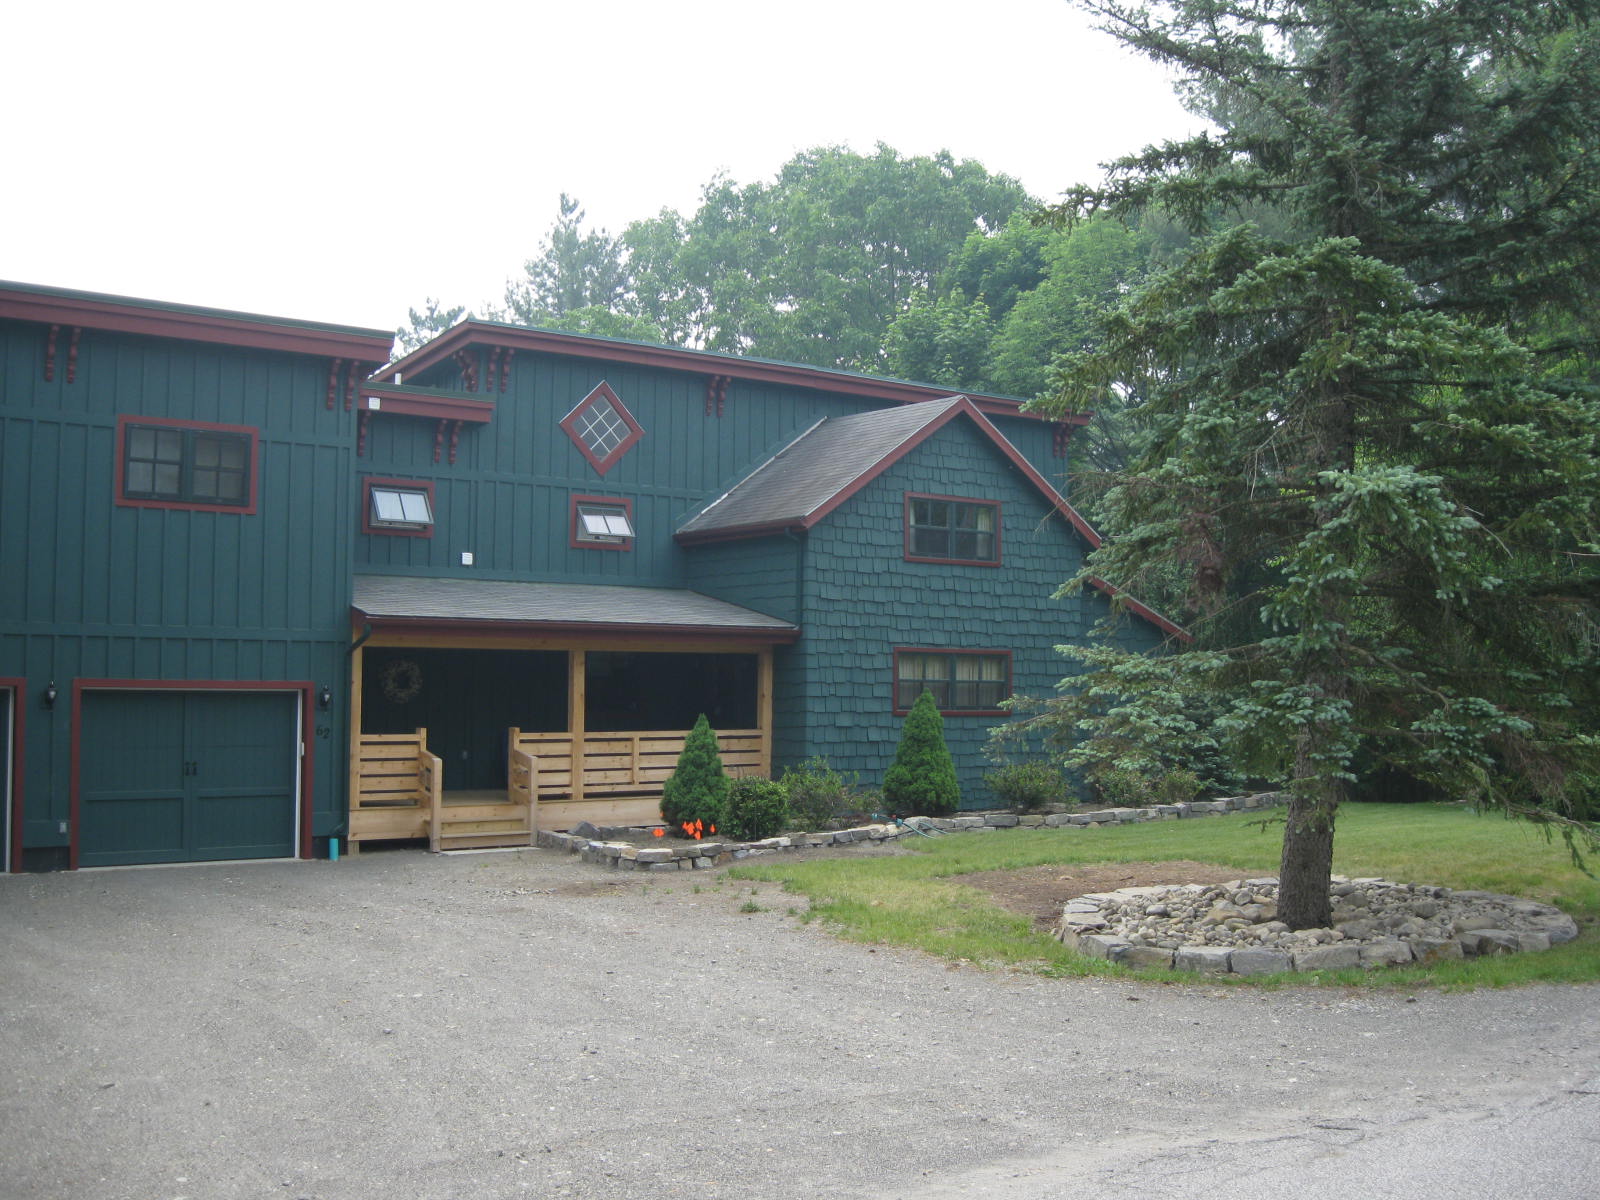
[470, 822]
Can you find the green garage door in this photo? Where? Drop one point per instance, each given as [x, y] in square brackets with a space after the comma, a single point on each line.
[186, 777]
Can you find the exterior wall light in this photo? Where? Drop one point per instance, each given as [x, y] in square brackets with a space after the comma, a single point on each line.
[324, 697]
[50, 694]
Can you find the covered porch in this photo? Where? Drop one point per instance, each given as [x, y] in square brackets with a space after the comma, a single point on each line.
[559, 703]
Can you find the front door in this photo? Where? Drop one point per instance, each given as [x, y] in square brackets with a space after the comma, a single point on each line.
[171, 776]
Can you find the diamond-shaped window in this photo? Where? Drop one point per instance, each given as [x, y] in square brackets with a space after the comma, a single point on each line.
[601, 428]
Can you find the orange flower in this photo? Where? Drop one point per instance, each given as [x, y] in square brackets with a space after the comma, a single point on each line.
[659, 832]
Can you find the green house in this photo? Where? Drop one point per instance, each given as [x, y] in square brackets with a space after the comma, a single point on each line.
[259, 591]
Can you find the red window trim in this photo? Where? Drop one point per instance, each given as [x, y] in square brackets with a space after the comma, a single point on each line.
[19, 689]
[250, 431]
[572, 523]
[958, 562]
[894, 679]
[569, 425]
[415, 485]
[308, 742]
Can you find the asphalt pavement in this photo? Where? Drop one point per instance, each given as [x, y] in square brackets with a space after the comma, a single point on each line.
[503, 1025]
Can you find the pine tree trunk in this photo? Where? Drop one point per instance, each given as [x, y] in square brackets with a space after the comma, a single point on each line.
[1307, 866]
[1306, 870]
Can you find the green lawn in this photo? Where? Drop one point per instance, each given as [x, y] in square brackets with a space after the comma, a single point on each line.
[911, 900]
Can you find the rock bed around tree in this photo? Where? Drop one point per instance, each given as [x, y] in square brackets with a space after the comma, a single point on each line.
[1233, 927]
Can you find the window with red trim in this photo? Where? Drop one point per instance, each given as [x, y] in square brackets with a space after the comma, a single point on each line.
[953, 530]
[397, 507]
[602, 428]
[165, 463]
[962, 681]
[601, 523]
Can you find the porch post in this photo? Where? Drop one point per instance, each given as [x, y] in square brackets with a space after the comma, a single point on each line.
[577, 679]
[353, 782]
[764, 707]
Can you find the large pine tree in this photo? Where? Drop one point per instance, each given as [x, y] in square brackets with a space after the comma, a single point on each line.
[1375, 457]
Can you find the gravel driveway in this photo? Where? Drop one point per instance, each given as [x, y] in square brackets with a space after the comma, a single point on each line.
[407, 1025]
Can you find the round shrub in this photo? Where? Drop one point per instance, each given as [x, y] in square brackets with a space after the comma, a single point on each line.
[1027, 786]
[757, 808]
[817, 794]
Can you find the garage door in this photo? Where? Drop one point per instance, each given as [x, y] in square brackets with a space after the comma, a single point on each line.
[186, 776]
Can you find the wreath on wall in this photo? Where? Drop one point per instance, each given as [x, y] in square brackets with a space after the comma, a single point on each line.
[402, 680]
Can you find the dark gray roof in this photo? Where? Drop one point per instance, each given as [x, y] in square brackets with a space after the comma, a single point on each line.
[814, 468]
[418, 598]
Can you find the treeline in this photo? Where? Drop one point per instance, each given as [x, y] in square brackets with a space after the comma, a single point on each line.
[926, 268]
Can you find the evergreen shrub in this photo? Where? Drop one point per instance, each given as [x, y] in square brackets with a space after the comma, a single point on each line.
[922, 778]
[818, 795]
[757, 808]
[1027, 786]
[697, 789]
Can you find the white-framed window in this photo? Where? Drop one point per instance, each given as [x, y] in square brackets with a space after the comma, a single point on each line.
[398, 506]
[602, 522]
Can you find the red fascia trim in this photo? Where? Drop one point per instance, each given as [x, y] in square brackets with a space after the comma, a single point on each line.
[242, 330]
[667, 633]
[999, 513]
[247, 510]
[894, 679]
[572, 524]
[19, 694]
[415, 485]
[1142, 610]
[307, 738]
[409, 404]
[674, 358]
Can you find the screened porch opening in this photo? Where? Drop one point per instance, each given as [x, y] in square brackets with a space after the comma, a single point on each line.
[632, 690]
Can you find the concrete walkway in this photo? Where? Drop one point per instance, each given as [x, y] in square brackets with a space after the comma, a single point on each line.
[403, 1025]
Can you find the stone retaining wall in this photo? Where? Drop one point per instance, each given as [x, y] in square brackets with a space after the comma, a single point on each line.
[639, 850]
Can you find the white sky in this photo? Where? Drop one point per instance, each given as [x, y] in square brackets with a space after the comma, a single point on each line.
[340, 161]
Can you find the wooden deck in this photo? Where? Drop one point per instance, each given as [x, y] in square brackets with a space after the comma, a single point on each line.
[396, 794]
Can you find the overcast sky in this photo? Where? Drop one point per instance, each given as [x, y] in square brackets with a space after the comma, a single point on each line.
[342, 160]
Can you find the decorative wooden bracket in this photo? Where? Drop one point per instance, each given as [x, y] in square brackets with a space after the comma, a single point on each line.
[438, 439]
[494, 366]
[50, 354]
[468, 362]
[363, 419]
[716, 394]
[505, 367]
[455, 440]
[333, 380]
[1062, 437]
[72, 355]
[352, 380]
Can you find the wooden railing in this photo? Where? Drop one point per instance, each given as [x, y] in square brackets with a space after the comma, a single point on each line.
[522, 774]
[620, 774]
[395, 790]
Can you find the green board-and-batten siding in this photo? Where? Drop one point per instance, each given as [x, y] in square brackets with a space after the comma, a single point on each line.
[93, 589]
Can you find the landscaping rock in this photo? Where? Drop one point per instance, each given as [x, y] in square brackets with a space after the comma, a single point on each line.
[1377, 924]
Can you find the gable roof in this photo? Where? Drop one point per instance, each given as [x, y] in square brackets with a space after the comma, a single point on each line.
[838, 456]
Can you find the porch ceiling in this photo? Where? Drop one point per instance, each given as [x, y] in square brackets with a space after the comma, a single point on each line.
[409, 599]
